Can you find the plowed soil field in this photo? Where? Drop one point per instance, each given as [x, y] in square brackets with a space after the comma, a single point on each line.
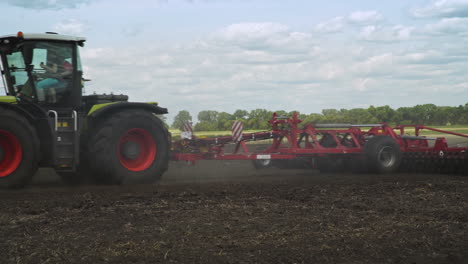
[227, 212]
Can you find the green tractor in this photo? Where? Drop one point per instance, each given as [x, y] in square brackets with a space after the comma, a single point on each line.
[46, 121]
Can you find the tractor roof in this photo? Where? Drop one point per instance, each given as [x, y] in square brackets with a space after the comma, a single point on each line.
[45, 36]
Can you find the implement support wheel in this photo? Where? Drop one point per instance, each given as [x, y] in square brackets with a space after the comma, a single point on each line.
[383, 154]
[262, 163]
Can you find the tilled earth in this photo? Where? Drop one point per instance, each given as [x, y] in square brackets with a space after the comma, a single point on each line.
[218, 212]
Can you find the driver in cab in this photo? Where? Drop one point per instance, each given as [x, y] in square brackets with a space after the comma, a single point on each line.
[55, 75]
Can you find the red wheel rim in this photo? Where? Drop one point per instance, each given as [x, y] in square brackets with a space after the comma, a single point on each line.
[146, 149]
[12, 153]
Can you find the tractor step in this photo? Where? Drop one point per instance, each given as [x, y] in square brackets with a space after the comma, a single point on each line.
[67, 138]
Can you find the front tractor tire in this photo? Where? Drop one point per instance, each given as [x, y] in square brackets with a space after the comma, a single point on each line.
[19, 150]
[129, 147]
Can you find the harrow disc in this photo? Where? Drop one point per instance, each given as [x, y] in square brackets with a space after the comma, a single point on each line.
[455, 163]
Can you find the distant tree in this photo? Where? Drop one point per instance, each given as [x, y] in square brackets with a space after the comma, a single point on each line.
[461, 115]
[281, 113]
[332, 116]
[241, 114]
[428, 114]
[357, 116]
[382, 114]
[330, 112]
[313, 118]
[224, 121]
[180, 119]
[210, 116]
[407, 116]
[299, 115]
[258, 119]
[205, 126]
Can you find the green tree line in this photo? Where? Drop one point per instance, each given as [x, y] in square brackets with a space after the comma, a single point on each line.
[427, 114]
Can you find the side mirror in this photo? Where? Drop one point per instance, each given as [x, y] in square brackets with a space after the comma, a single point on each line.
[28, 51]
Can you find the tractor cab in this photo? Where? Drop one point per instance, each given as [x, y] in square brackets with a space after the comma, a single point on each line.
[42, 68]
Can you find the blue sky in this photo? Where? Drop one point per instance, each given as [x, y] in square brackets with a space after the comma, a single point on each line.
[294, 55]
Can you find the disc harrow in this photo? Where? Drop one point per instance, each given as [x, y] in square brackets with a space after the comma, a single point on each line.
[376, 148]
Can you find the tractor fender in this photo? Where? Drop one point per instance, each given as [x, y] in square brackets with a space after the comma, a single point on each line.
[37, 117]
[101, 112]
[16, 108]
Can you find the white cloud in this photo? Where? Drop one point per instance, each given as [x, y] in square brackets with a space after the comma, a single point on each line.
[443, 8]
[450, 26]
[381, 64]
[70, 27]
[357, 18]
[365, 17]
[334, 25]
[253, 31]
[261, 36]
[362, 84]
[435, 58]
[47, 4]
[133, 29]
[461, 87]
[402, 32]
[367, 32]
[422, 57]
[383, 33]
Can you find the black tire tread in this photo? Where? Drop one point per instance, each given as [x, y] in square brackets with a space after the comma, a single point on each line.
[371, 149]
[24, 178]
[99, 142]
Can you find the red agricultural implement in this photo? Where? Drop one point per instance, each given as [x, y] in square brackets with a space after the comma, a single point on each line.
[376, 148]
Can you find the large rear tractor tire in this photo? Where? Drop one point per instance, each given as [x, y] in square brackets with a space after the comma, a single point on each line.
[19, 150]
[382, 154]
[131, 146]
